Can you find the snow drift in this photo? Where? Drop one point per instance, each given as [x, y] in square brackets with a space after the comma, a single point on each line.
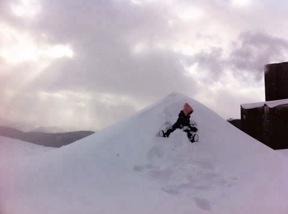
[127, 169]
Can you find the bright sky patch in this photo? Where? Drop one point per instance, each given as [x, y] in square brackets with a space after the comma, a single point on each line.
[26, 8]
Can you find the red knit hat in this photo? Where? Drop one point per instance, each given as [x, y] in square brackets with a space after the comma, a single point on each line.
[187, 109]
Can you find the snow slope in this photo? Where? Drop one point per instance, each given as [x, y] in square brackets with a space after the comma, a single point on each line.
[127, 169]
[13, 152]
[283, 152]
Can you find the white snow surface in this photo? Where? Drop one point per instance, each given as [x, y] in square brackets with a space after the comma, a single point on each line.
[12, 151]
[127, 169]
[283, 152]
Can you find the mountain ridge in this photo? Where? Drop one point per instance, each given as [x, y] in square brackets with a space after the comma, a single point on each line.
[43, 138]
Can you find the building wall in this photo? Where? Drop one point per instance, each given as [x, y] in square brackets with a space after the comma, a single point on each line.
[252, 122]
[276, 81]
[267, 124]
[276, 127]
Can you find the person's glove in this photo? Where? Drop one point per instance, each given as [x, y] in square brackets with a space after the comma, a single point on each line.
[194, 129]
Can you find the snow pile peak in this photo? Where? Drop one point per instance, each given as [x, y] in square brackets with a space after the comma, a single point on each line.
[127, 169]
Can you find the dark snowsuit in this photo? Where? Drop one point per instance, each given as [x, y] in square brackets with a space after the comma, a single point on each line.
[183, 122]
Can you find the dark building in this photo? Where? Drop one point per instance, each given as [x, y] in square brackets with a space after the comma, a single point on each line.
[267, 122]
[276, 81]
[276, 127]
[252, 118]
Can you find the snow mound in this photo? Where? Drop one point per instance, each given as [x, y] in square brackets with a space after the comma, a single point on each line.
[14, 150]
[128, 169]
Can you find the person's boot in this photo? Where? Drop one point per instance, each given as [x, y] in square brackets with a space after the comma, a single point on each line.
[167, 133]
[190, 137]
[194, 138]
[162, 133]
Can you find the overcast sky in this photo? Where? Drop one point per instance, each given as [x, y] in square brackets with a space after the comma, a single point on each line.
[85, 64]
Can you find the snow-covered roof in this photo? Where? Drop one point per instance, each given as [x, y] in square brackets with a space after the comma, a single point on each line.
[270, 104]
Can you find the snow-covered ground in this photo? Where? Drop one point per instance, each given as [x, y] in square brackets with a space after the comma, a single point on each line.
[127, 169]
[284, 152]
[12, 151]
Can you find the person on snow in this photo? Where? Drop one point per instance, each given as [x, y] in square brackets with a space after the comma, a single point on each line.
[183, 122]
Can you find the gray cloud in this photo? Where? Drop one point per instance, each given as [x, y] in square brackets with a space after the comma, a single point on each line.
[253, 50]
[248, 55]
[103, 40]
[212, 61]
[128, 52]
[104, 62]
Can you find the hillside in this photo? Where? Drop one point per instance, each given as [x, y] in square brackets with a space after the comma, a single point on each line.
[127, 169]
[43, 138]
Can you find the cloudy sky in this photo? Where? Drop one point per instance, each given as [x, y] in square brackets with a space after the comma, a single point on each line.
[87, 64]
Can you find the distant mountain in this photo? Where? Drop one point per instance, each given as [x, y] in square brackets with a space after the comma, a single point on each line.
[10, 132]
[44, 139]
[49, 129]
